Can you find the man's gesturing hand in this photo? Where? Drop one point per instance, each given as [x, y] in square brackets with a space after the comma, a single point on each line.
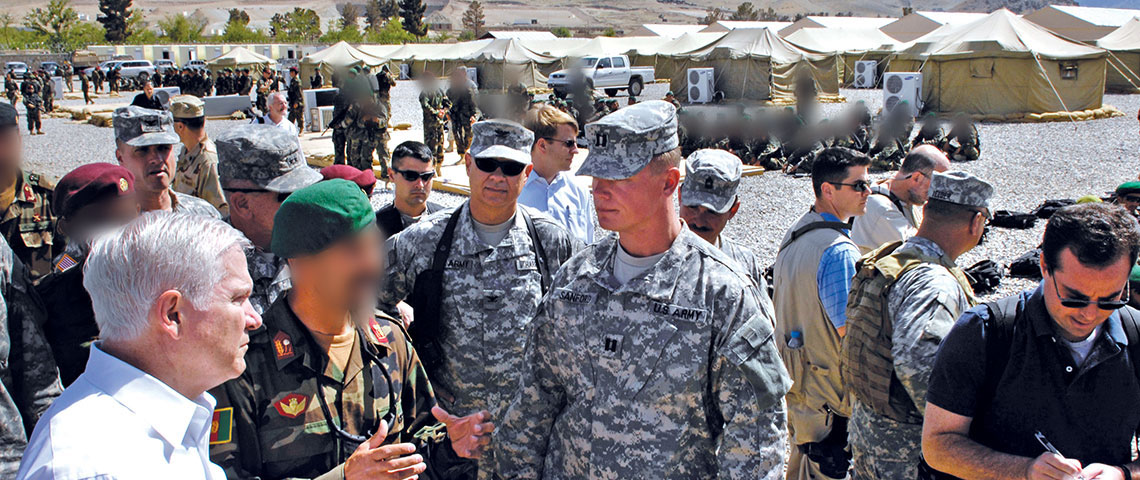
[469, 435]
[373, 460]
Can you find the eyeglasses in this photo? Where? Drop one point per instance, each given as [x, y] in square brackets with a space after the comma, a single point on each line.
[510, 168]
[1107, 305]
[280, 196]
[859, 186]
[568, 143]
[412, 175]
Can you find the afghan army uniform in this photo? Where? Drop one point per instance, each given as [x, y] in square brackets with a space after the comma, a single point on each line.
[928, 294]
[463, 110]
[518, 100]
[49, 94]
[803, 158]
[29, 381]
[932, 135]
[29, 224]
[263, 91]
[85, 86]
[769, 153]
[197, 168]
[887, 154]
[676, 377]
[11, 88]
[367, 132]
[339, 125]
[435, 106]
[296, 103]
[384, 83]
[32, 92]
[963, 145]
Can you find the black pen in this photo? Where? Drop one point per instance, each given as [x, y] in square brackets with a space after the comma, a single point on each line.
[1049, 447]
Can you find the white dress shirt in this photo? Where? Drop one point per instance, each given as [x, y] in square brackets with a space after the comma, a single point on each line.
[118, 422]
[569, 204]
[883, 221]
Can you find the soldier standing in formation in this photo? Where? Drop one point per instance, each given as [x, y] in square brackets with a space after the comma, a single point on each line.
[927, 294]
[11, 87]
[461, 94]
[435, 106]
[32, 92]
[85, 86]
[97, 78]
[680, 370]
[197, 168]
[296, 101]
[48, 92]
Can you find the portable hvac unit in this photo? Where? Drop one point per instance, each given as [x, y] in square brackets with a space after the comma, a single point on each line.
[902, 86]
[701, 85]
[865, 73]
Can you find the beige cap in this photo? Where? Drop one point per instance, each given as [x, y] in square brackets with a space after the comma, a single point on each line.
[187, 106]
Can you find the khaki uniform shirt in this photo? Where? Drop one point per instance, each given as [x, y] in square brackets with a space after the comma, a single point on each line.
[197, 175]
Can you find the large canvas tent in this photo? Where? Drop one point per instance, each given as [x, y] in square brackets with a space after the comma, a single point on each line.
[335, 58]
[240, 57]
[916, 24]
[661, 55]
[1123, 73]
[507, 60]
[850, 44]
[1003, 67]
[437, 59]
[756, 64]
[1082, 23]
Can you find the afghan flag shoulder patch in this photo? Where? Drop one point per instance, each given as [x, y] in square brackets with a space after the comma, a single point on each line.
[222, 426]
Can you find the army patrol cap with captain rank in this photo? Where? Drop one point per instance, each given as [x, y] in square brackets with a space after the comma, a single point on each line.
[711, 179]
[501, 139]
[622, 143]
[187, 106]
[142, 127]
[961, 188]
[265, 155]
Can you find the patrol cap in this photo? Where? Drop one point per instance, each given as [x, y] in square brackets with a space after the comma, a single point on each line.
[319, 215]
[265, 155]
[501, 139]
[366, 180]
[961, 188]
[711, 179]
[141, 127]
[187, 106]
[88, 184]
[8, 115]
[623, 142]
[1128, 187]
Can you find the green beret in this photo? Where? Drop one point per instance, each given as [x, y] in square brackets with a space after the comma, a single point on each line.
[319, 215]
[1135, 275]
[1128, 187]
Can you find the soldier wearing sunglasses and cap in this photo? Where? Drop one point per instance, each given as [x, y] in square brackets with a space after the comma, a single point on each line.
[492, 259]
[812, 277]
[1044, 384]
[653, 356]
[259, 166]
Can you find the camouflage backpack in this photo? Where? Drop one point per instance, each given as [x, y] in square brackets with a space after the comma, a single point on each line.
[866, 359]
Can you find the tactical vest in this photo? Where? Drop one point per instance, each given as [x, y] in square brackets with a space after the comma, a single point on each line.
[866, 359]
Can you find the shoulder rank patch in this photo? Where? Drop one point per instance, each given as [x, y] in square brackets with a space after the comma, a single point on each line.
[29, 194]
[283, 346]
[222, 426]
[292, 406]
[378, 332]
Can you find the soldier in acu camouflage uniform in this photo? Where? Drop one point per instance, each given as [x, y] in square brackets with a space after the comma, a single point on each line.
[501, 258]
[652, 356]
[145, 142]
[30, 379]
[28, 223]
[435, 106]
[259, 166]
[197, 167]
[333, 388]
[924, 301]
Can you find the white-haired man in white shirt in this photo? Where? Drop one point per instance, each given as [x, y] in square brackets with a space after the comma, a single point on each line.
[171, 297]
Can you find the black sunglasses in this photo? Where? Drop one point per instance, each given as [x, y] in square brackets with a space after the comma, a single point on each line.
[280, 196]
[1101, 304]
[412, 175]
[568, 143]
[859, 186]
[510, 168]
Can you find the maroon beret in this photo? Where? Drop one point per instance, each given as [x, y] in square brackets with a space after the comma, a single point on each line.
[89, 184]
[365, 179]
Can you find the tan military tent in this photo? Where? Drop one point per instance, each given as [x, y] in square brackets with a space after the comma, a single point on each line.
[851, 44]
[661, 54]
[336, 58]
[1124, 59]
[756, 64]
[240, 57]
[438, 59]
[506, 60]
[1003, 67]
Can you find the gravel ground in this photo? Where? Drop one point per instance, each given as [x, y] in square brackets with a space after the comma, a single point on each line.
[1027, 163]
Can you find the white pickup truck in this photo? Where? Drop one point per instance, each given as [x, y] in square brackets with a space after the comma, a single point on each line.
[611, 74]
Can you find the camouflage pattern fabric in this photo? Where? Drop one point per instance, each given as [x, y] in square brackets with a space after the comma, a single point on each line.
[463, 110]
[924, 304]
[769, 154]
[269, 421]
[623, 142]
[961, 188]
[29, 381]
[270, 276]
[887, 154]
[183, 203]
[435, 106]
[962, 144]
[141, 127]
[931, 135]
[265, 155]
[712, 179]
[674, 375]
[490, 294]
[29, 224]
[31, 90]
[197, 175]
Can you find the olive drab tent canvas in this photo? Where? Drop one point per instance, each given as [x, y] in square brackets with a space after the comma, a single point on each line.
[1123, 45]
[506, 61]
[338, 57]
[240, 57]
[851, 44]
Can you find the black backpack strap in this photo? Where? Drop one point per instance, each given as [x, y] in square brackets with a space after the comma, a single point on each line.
[804, 230]
[998, 338]
[427, 330]
[539, 251]
[1130, 322]
[443, 248]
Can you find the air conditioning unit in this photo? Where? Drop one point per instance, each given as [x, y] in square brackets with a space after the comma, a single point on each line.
[902, 86]
[473, 76]
[702, 85]
[865, 73]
